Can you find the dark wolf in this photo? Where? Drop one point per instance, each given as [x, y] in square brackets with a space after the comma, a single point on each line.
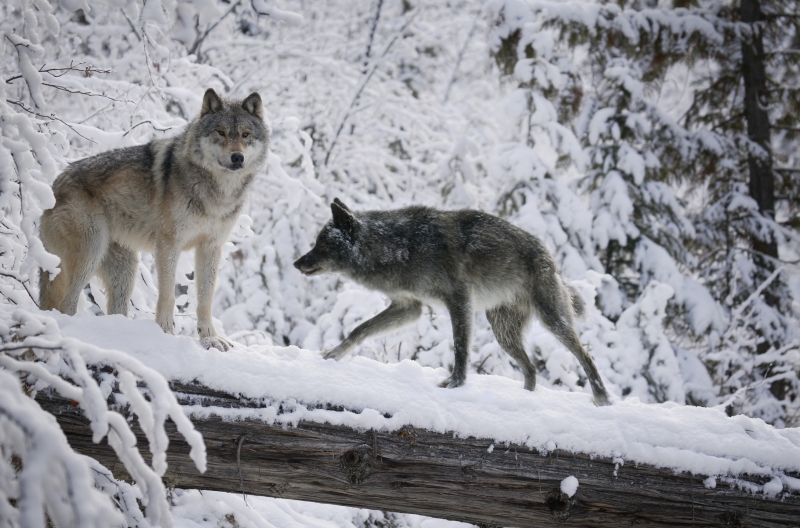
[167, 196]
[466, 260]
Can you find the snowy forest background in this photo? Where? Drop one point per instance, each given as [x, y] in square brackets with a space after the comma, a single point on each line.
[652, 146]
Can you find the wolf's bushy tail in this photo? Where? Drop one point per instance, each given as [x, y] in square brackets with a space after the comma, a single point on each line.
[577, 303]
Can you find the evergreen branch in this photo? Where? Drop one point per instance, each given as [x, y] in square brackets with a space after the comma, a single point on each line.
[733, 397]
[737, 312]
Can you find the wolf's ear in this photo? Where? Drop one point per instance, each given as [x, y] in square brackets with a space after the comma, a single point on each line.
[340, 204]
[211, 103]
[253, 105]
[343, 219]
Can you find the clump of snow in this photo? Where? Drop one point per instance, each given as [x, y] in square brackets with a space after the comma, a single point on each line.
[569, 486]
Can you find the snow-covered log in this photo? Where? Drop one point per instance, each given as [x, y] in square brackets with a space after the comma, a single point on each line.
[417, 471]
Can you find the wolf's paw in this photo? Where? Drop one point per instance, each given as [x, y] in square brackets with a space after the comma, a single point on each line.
[602, 399]
[452, 383]
[167, 323]
[336, 354]
[223, 345]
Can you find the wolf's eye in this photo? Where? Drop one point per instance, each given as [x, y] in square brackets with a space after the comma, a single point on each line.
[245, 134]
[221, 133]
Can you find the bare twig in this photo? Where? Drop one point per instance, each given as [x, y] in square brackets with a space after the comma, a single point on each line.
[80, 92]
[372, 34]
[152, 124]
[199, 41]
[364, 83]
[133, 28]
[461, 56]
[23, 283]
[30, 92]
[149, 62]
[51, 117]
[87, 70]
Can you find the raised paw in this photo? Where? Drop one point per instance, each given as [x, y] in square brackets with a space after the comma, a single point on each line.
[601, 400]
[452, 383]
[223, 345]
[334, 354]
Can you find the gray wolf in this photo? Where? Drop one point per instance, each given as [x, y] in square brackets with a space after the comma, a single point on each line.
[465, 260]
[167, 196]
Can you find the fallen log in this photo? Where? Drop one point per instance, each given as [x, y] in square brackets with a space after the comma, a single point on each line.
[434, 474]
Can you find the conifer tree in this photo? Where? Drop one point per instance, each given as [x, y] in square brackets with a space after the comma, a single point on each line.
[746, 104]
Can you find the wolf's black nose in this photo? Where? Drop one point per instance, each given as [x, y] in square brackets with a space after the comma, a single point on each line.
[237, 158]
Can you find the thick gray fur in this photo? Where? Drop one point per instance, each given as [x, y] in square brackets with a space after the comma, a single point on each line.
[465, 260]
[167, 196]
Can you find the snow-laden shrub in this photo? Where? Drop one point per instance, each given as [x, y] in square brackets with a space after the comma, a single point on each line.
[40, 475]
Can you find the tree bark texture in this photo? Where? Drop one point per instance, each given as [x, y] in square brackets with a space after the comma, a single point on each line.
[434, 474]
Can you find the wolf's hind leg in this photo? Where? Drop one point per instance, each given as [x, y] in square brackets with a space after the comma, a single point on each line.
[508, 323]
[51, 292]
[81, 261]
[118, 273]
[554, 314]
[398, 314]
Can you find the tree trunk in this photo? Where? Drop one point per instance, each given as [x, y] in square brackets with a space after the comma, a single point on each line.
[434, 474]
[762, 183]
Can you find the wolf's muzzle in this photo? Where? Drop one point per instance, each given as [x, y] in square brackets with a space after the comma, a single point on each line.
[306, 267]
[237, 160]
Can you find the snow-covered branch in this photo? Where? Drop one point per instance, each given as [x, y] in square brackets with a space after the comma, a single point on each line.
[50, 477]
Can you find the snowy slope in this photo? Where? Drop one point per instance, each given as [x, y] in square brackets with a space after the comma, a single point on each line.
[703, 441]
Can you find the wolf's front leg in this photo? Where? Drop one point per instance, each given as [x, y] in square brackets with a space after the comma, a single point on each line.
[166, 254]
[459, 305]
[399, 313]
[206, 264]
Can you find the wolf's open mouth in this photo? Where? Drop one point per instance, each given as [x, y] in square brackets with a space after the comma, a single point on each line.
[311, 271]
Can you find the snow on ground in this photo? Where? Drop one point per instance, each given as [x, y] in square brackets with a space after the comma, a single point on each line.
[703, 441]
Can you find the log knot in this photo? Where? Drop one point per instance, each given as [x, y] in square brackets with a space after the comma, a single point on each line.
[732, 519]
[356, 463]
[559, 504]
